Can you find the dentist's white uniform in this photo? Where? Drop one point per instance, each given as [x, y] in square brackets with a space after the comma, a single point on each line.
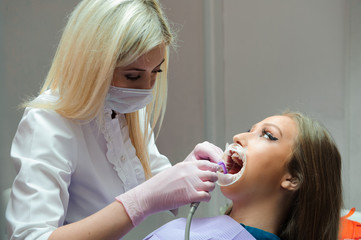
[68, 170]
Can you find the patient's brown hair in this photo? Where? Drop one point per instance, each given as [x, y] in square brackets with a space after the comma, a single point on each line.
[316, 162]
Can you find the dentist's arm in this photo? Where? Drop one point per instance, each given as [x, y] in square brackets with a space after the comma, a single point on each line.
[112, 222]
[184, 183]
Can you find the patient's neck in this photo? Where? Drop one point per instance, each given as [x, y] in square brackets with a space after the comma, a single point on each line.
[266, 214]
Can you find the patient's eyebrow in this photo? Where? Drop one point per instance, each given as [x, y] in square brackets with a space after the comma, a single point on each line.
[275, 126]
[251, 129]
[268, 124]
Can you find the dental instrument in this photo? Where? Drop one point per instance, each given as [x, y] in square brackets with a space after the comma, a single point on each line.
[195, 205]
[192, 210]
[234, 155]
[223, 167]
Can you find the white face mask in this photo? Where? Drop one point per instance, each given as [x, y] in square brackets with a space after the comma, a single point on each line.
[127, 100]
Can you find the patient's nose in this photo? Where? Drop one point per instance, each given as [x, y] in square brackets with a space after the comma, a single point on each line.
[241, 139]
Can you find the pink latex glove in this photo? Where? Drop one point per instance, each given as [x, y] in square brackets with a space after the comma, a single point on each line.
[184, 183]
[206, 151]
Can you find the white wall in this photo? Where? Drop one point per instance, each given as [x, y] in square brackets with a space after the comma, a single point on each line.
[352, 173]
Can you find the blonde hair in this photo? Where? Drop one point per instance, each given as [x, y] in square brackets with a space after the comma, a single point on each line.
[101, 35]
[316, 162]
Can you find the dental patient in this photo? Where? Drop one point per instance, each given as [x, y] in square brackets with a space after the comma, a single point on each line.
[284, 179]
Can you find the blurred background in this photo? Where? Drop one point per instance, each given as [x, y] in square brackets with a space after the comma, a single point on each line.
[237, 62]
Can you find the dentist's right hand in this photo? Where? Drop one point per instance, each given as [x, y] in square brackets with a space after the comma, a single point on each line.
[189, 181]
[206, 151]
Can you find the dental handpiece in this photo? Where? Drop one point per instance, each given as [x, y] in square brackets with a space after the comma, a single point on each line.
[192, 210]
[233, 151]
[194, 207]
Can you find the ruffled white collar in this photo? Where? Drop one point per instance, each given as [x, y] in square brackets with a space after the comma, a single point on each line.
[120, 150]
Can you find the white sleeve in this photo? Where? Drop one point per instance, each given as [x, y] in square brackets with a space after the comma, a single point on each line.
[44, 151]
[158, 162]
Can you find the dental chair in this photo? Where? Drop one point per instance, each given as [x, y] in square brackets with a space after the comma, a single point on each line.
[350, 226]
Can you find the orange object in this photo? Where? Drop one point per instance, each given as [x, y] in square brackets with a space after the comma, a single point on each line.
[349, 229]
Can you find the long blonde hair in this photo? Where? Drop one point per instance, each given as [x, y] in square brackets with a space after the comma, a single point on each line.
[101, 35]
[316, 162]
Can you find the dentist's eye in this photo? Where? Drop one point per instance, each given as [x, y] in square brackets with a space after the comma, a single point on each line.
[157, 71]
[268, 135]
[132, 77]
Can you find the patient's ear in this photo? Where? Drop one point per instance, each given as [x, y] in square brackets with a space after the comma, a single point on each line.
[290, 182]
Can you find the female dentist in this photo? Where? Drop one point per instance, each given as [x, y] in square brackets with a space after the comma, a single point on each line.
[84, 150]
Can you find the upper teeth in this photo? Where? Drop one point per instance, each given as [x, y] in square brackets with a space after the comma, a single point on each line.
[238, 151]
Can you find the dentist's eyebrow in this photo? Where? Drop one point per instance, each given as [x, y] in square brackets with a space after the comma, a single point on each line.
[143, 70]
[160, 63]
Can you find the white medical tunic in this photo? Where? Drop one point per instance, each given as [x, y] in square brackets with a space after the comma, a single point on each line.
[68, 170]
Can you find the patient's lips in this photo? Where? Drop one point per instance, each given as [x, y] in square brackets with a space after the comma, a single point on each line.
[235, 159]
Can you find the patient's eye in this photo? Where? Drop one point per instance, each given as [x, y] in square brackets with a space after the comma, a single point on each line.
[268, 135]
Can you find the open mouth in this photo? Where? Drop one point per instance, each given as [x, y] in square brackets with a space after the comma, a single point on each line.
[235, 160]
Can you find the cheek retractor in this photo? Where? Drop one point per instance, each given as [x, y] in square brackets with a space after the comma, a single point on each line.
[233, 166]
